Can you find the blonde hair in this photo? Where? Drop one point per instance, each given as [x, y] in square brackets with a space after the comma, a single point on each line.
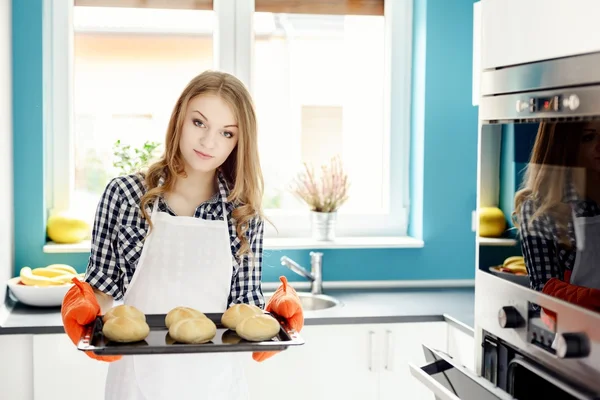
[242, 167]
[552, 167]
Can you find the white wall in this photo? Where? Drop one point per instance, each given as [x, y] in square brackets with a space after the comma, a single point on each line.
[6, 174]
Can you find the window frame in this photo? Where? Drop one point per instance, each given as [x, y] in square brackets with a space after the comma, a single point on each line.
[233, 47]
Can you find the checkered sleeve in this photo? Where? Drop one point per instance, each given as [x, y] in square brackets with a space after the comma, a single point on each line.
[103, 272]
[538, 246]
[247, 284]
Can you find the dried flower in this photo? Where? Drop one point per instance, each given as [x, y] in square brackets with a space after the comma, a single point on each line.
[326, 193]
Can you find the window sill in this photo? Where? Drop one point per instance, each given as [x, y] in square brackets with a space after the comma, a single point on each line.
[395, 242]
[496, 242]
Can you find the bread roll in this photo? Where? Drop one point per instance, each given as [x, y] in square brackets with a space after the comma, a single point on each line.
[258, 328]
[125, 329]
[179, 313]
[124, 311]
[193, 330]
[237, 313]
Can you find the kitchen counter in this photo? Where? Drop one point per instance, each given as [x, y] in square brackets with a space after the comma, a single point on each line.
[455, 305]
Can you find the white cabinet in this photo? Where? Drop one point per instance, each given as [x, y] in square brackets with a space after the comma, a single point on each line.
[461, 347]
[404, 347]
[364, 361]
[337, 361]
[60, 371]
[16, 367]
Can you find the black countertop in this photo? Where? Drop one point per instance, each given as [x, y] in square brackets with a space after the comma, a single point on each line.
[359, 306]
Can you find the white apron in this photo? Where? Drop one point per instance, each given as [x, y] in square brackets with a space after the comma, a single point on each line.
[586, 271]
[185, 261]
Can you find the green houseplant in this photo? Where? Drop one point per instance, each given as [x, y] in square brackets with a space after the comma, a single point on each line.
[128, 160]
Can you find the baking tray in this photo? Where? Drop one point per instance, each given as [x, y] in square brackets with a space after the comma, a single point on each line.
[159, 341]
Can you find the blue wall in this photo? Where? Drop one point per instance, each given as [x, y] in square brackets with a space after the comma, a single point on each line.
[443, 155]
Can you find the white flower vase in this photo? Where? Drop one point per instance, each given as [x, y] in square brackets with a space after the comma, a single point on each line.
[323, 226]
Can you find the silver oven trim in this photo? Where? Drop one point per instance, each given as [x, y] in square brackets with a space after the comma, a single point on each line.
[561, 72]
[573, 103]
[492, 293]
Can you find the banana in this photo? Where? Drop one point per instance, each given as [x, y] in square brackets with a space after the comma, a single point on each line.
[513, 259]
[62, 267]
[47, 272]
[29, 279]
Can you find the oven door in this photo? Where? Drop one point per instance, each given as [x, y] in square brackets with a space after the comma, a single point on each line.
[450, 381]
[526, 381]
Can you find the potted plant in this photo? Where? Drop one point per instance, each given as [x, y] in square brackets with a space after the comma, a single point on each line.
[324, 195]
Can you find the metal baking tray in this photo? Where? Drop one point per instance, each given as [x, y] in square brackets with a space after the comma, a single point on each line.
[159, 341]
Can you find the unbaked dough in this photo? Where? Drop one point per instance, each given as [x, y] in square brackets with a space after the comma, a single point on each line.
[124, 310]
[237, 313]
[258, 328]
[179, 313]
[193, 330]
[125, 329]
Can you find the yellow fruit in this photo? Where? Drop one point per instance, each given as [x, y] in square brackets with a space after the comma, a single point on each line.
[492, 222]
[62, 267]
[513, 260]
[66, 228]
[49, 273]
[29, 279]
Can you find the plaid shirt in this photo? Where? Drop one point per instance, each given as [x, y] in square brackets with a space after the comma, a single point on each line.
[119, 229]
[545, 257]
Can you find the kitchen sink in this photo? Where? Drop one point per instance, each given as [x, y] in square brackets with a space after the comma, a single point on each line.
[313, 302]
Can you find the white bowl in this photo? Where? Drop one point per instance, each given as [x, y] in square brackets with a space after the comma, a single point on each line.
[38, 296]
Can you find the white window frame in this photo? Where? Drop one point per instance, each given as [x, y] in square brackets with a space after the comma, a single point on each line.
[233, 52]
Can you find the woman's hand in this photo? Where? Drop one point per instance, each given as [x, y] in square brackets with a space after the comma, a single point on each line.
[80, 308]
[286, 304]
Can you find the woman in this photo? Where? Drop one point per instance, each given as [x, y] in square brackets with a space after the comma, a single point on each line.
[558, 213]
[188, 232]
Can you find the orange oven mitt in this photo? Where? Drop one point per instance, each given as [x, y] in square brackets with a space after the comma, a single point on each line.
[584, 297]
[79, 308]
[286, 304]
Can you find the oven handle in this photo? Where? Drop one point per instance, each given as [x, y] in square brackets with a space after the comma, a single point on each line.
[440, 391]
[543, 374]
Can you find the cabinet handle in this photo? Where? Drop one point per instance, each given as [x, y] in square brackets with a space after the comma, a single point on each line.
[371, 333]
[389, 350]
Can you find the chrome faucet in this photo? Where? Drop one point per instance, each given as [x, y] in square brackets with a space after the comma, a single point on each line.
[314, 276]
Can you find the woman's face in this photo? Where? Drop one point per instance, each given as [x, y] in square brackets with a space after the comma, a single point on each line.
[589, 149]
[209, 133]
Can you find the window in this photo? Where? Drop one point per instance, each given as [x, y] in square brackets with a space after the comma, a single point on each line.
[328, 78]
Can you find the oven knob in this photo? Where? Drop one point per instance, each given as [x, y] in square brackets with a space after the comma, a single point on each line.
[572, 345]
[509, 317]
[572, 102]
[521, 106]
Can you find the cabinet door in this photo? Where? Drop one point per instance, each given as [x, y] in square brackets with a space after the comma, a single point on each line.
[60, 371]
[336, 362]
[401, 346]
[16, 379]
[461, 347]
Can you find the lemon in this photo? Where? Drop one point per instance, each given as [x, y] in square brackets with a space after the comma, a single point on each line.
[67, 229]
[492, 222]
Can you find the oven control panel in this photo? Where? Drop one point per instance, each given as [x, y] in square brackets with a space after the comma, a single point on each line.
[548, 103]
[542, 332]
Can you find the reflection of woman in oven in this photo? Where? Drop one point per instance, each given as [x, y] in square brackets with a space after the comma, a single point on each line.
[558, 212]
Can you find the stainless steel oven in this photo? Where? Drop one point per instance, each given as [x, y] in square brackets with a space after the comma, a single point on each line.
[528, 344]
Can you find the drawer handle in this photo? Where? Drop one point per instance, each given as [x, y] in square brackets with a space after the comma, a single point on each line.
[389, 350]
[371, 333]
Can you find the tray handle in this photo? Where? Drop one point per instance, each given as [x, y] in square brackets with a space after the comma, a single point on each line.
[292, 333]
[85, 341]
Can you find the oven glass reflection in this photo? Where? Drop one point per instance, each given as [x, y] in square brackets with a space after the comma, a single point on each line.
[539, 215]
